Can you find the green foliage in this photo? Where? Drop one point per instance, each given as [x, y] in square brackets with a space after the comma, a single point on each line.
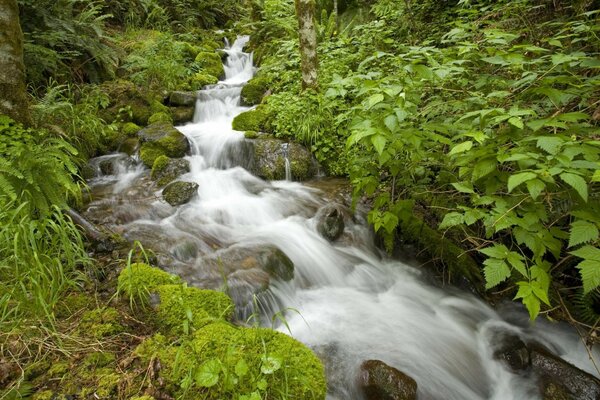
[254, 90]
[137, 281]
[209, 63]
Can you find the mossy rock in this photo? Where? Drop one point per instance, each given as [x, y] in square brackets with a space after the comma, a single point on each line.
[253, 120]
[269, 160]
[191, 50]
[254, 91]
[201, 79]
[182, 309]
[182, 115]
[127, 102]
[258, 354]
[179, 192]
[161, 138]
[101, 322]
[137, 280]
[130, 146]
[166, 170]
[158, 107]
[210, 63]
[129, 129]
[251, 134]
[183, 98]
[160, 117]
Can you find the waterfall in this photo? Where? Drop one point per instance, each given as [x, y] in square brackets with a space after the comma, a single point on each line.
[353, 303]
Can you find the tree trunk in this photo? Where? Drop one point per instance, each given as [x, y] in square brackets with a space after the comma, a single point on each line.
[305, 12]
[13, 96]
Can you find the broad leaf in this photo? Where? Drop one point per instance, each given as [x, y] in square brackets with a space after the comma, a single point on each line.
[495, 271]
[588, 253]
[463, 187]
[208, 374]
[577, 183]
[582, 232]
[497, 251]
[590, 274]
[535, 187]
[461, 148]
[550, 144]
[517, 179]
[451, 219]
[379, 142]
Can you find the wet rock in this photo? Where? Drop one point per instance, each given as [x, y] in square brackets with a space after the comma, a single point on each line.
[269, 160]
[511, 350]
[130, 146]
[379, 381]
[560, 379]
[330, 222]
[183, 99]
[182, 115]
[178, 193]
[166, 170]
[159, 139]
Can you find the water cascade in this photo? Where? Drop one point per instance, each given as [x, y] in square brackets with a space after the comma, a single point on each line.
[354, 302]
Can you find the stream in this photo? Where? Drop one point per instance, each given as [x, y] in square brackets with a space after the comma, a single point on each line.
[347, 300]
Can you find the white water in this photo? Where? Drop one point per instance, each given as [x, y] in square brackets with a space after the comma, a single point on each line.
[355, 303]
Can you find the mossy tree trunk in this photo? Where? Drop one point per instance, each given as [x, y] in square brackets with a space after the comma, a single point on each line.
[305, 12]
[13, 96]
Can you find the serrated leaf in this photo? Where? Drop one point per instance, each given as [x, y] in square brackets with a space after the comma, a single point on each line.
[495, 271]
[516, 261]
[535, 188]
[517, 122]
[483, 168]
[577, 183]
[374, 100]
[463, 187]
[451, 219]
[208, 373]
[379, 142]
[497, 251]
[461, 148]
[496, 60]
[540, 283]
[596, 177]
[529, 299]
[550, 144]
[587, 253]
[517, 179]
[582, 232]
[590, 274]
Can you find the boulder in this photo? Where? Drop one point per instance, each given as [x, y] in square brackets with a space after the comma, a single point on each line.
[330, 222]
[254, 91]
[166, 170]
[159, 139]
[269, 159]
[183, 99]
[178, 193]
[379, 381]
[128, 102]
[511, 351]
[182, 115]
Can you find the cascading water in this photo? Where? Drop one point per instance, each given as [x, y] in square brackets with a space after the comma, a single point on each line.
[354, 303]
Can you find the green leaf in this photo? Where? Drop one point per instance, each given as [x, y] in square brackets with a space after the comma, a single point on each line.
[270, 365]
[461, 148]
[560, 58]
[535, 187]
[463, 187]
[550, 144]
[517, 122]
[497, 251]
[241, 368]
[517, 179]
[577, 183]
[596, 177]
[496, 60]
[588, 253]
[483, 168]
[516, 261]
[373, 100]
[451, 219]
[540, 283]
[208, 373]
[495, 271]
[379, 142]
[590, 274]
[582, 232]
[529, 299]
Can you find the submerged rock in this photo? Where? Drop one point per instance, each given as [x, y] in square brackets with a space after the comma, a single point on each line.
[270, 155]
[512, 351]
[178, 193]
[162, 139]
[379, 381]
[330, 222]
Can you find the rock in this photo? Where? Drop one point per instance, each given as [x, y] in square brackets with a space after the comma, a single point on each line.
[182, 115]
[269, 160]
[130, 146]
[178, 193]
[511, 350]
[199, 80]
[559, 379]
[183, 99]
[109, 165]
[253, 120]
[166, 170]
[210, 63]
[161, 138]
[379, 381]
[128, 103]
[330, 222]
[254, 91]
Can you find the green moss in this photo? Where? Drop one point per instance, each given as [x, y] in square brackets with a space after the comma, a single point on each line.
[129, 129]
[58, 369]
[137, 280]
[158, 107]
[72, 304]
[210, 45]
[130, 146]
[159, 165]
[107, 386]
[253, 120]
[98, 359]
[100, 323]
[45, 395]
[160, 117]
[254, 90]
[250, 134]
[210, 63]
[142, 398]
[149, 152]
[190, 50]
[201, 79]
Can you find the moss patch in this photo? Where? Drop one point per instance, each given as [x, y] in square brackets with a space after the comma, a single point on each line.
[100, 323]
[210, 63]
[160, 117]
[161, 138]
[129, 129]
[138, 280]
[254, 90]
[201, 79]
[253, 120]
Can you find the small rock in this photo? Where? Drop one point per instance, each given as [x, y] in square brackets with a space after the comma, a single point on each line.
[181, 115]
[379, 381]
[166, 170]
[512, 351]
[182, 99]
[330, 222]
[178, 193]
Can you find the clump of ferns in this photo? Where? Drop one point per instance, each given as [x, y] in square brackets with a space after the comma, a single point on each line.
[586, 307]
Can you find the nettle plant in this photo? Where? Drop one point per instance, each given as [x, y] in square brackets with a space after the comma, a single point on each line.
[516, 123]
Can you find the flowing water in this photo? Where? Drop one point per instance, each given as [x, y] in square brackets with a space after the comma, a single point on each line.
[353, 302]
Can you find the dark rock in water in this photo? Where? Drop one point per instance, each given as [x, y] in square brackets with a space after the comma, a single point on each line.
[166, 170]
[379, 381]
[330, 222]
[560, 379]
[178, 193]
[183, 99]
[512, 351]
[269, 159]
[130, 146]
[162, 139]
[181, 115]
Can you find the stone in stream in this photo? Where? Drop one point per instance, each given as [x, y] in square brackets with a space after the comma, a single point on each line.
[183, 99]
[269, 160]
[330, 222]
[161, 139]
[379, 381]
[182, 115]
[178, 193]
[166, 170]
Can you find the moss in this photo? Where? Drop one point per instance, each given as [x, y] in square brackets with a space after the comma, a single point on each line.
[253, 120]
[250, 134]
[201, 79]
[149, 152]
[254, 90]
[107, 386]
[191, 50]
[44, 395]
[101, 322]
[98, 359]
[166, 170]
[137, 280]
[130, 146]
[130, 129]
[72, 304]
[210, 63]
[142, 398]
[158, 107]
[58, 369]
[210, 45]
[160, 117]
[159, 165]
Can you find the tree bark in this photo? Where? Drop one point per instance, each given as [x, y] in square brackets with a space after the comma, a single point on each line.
[13, 95]
[305, 12]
